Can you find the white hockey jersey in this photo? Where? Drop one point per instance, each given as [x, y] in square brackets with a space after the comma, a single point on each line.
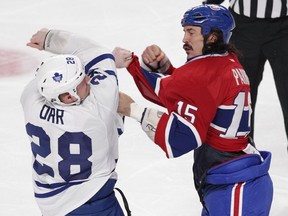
[75, 148]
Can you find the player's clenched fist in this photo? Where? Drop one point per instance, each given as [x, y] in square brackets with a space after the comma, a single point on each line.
[37, 40]
[154, 59]
[152, 53]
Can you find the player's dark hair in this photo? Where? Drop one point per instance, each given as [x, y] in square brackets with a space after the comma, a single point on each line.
[219, 46]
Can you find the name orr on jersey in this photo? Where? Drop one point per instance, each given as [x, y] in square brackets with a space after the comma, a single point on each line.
[51, 114]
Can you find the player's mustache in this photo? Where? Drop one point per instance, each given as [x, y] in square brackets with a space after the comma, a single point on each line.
[187, 46]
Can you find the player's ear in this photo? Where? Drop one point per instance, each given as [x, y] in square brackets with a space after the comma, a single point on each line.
[67, 98]
[212, 38]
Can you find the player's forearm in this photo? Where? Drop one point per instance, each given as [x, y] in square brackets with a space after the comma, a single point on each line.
[64, 42]
[141, 79]
[56, 41]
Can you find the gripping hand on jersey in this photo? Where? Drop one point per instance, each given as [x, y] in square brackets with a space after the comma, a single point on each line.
[148, 117]
[122, 57]
[155, 60]
[38, 39]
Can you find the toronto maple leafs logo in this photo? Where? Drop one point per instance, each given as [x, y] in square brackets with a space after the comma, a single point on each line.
[57, 77]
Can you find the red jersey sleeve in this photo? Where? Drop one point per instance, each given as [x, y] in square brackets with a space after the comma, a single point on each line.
[140, 80]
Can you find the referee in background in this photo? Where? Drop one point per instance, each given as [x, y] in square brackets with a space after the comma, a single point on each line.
[261, 34]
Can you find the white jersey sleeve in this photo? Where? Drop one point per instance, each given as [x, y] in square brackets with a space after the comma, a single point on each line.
[74, 148]
[90, 52]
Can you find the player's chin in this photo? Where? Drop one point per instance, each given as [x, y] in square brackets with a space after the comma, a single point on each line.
[189, 54]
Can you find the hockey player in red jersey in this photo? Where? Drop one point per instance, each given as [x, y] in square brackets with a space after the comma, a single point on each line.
[208, 111]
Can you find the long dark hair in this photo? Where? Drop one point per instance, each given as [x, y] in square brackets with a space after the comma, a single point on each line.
[218, 47]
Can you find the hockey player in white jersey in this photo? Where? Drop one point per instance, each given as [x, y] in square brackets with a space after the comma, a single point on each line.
[71, 119]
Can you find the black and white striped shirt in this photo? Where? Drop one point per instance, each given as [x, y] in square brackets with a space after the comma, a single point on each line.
[257, 8]
[260, 8]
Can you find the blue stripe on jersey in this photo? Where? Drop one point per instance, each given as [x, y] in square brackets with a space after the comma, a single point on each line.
[112, 73]
[244, 127]
[50, 186]
[152, 78]
[182, 138]
[61, 187]
[224, 118]
[97, 60]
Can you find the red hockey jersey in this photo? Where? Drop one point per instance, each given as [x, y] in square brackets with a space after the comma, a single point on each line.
[207, 100]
